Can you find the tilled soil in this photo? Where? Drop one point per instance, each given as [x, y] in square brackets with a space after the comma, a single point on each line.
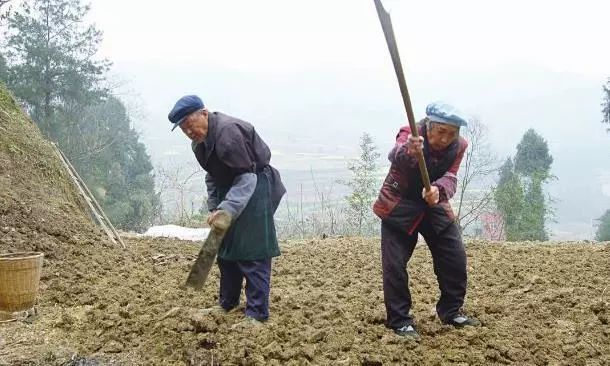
[540, 304]
[101, 305]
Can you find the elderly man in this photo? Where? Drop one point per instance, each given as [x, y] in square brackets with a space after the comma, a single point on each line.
[240, 181]
[406, 209]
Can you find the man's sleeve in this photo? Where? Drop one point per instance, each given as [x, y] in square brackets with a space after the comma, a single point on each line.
[239, 194]
[212, 192]
[447, 184]
[233, 148]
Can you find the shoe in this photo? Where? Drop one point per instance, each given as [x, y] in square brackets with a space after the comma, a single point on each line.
[407, 331]
[216, 309]
[462, 320]
[247, 322]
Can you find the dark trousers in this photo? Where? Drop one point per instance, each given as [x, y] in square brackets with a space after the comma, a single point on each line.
[258, 277]
[449, 259]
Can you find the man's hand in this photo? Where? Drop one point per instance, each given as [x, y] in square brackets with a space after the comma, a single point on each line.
[219, 219]
[431, 196]
[415, 145]
[212, 216]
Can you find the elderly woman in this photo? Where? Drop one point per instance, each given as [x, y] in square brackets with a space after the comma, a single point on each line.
[406, 209]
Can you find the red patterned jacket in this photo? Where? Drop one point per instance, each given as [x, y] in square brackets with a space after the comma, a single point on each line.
[400, 202]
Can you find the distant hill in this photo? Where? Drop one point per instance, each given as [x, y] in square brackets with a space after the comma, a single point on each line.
[313, 118]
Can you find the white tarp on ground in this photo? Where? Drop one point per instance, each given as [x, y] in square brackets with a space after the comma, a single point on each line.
[175, 231]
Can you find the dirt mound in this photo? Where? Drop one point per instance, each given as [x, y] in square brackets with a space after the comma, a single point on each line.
[540, 304]
[40, 209]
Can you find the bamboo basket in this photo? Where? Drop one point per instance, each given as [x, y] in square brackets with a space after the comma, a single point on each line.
[19, 280]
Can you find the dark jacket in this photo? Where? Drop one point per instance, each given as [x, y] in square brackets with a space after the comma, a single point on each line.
[232, 148]
[241, 181]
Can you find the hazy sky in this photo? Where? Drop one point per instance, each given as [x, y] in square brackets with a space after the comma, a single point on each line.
[291, 35]
[313, 75]
[451, 50]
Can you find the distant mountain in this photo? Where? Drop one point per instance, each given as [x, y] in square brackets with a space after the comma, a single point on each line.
[313, 118]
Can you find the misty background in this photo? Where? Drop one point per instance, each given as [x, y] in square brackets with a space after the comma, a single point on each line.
[313, 76]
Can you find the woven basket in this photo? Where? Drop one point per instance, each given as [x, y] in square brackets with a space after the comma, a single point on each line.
[19, 279]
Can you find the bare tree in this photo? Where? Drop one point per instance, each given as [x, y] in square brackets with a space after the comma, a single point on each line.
[318, 217]
[179, 188]
[4, 10]
[323, 215]
[475, 178]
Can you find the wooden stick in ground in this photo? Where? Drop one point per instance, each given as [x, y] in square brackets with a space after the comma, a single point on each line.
[90, 199]
[386, 25]
[87, 200]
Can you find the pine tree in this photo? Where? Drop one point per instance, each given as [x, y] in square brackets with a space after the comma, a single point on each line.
[509, 200]
[520, 194]
[606, 104]
[51, 68]
[603, 231]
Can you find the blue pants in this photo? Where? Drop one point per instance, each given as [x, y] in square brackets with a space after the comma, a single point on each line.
[258, 276]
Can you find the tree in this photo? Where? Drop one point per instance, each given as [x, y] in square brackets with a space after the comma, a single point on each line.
[535, 212]
[509, 200]
[364, 186]
[533, 158]
[3, 70]
[533, 163]
[475, 185]
[606, 104]
[51, 66]
[180, 188]
[603, 231]
[51, 69]
[4, 10]
[121, 175]
[3, 3]
[520, 194]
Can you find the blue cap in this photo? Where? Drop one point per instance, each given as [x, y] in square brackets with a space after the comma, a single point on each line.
[445, 113]
[183, 107]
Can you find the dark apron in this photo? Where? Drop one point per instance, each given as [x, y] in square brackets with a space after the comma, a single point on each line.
[252, 236]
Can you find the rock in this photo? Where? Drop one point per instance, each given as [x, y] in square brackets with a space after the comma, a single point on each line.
[309, 351]
[318, 336]
[170, 313]
[113, 347]
[203, 323]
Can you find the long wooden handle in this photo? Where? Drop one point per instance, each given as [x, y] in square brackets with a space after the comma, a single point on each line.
[386, 25]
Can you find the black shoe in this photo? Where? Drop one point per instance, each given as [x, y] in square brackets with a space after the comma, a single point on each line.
[462, 320]
[407, 331]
